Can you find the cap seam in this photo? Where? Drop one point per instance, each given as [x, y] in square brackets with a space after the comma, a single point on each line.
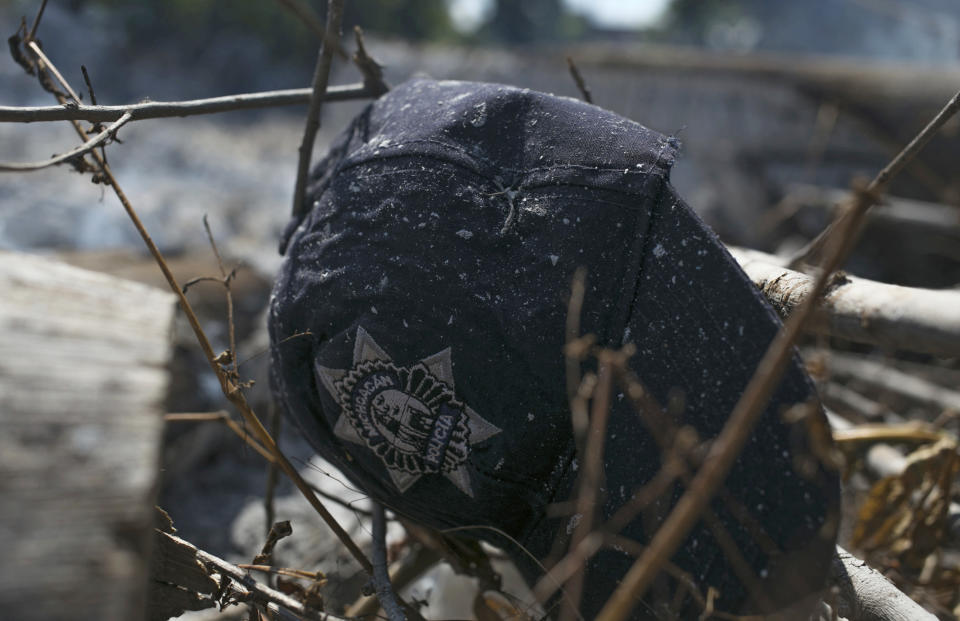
[637, 260]
[483, 162]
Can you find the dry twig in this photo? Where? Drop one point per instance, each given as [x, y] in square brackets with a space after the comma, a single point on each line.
[320, 77]
[578, 79]
[311, 20]
[591, 478]
[223, 417]
[381, 578]
[370, 68]
[249, 589]
[91, 144]
[167, 109]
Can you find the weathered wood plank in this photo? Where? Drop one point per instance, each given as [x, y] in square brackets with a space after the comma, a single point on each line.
[82, 380]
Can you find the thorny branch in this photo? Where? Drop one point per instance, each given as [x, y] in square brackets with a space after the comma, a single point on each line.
[838, 240]
[230, 387]
[321, 76]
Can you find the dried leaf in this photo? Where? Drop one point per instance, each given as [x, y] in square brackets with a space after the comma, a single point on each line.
[905, 515]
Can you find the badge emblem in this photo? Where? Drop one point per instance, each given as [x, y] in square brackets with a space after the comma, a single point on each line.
[409, 416]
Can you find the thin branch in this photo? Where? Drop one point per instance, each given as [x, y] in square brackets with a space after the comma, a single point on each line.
[348, 505]
[381, 577]
[35, 48]
[230, 388]
[80, 151]
[418, 558]
[728, 445]
[283, 571]
[226, 278]
[86, 80]
[223, 417]
[199, 279]
[578, 79]
[257, 591]
[815, 252]
[372, 70]
[591, 477]
[167, 109]
[321, 76]
[36, 21]
[312, 21]
[269, 494]
[578, 555]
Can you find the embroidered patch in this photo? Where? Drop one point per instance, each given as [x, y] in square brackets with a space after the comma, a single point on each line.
[409, 416]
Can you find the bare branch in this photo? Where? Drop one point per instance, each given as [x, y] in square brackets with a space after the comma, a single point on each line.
[578, 79]
[312, 21]
[321, 76]
[35, 48]
[231, 328]
[166, 109]
[729, 443]
[255, 591]
[381, 578]
[863, 311]
[36, 21]
[224, 418]
[591, 478]
[372, 70]
[80, 151]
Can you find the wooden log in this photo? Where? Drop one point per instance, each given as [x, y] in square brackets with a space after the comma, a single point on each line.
[865, 595]
[864, 311]
[884, 378]
[82, 381]
[921, 217]
[870, 84]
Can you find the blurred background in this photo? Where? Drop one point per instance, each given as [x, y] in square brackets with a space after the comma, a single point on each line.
[779, 106]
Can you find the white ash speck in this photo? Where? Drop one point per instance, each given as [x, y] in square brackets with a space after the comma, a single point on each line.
[464, 233]
[479, 115]
[659, 251]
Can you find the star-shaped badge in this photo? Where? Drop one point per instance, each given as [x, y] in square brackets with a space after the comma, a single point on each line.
[409, 416]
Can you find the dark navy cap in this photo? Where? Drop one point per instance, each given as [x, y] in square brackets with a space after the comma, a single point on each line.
[432, 273]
